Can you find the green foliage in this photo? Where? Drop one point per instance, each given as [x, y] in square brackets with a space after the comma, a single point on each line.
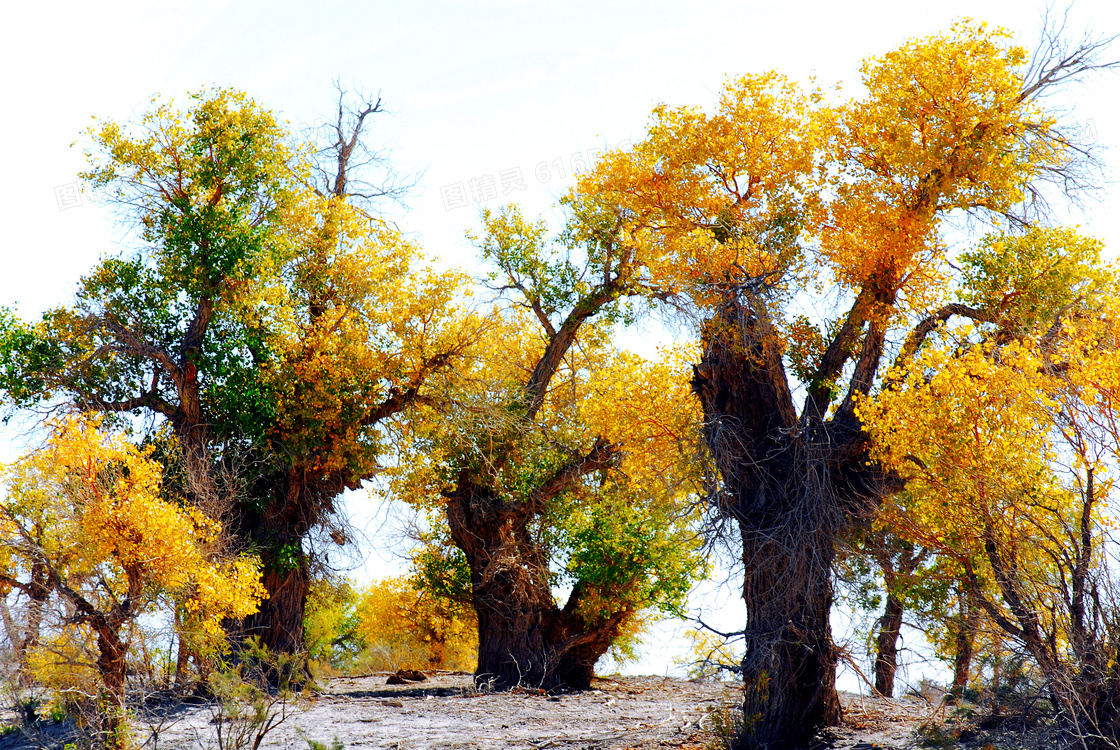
[336, 743]
[439, 567]
[330, 623]
[1028, 279]
[204, 185]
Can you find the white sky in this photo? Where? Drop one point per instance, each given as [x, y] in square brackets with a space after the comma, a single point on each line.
[475, 89]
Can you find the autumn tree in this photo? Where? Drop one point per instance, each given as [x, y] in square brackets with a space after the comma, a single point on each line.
[401, 626]
[751, 211]
[563, 463]
[1012, 468]
[268, 315]
[85, 514]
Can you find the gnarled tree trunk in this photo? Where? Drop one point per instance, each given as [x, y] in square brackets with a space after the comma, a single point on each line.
[789, 669]
[791, 483]
[278, 622]
[524, 638]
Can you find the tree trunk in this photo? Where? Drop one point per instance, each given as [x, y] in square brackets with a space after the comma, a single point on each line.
[886, 645]
[112, 665]
[512, 647]
[509, 590]
[790, 483]
[789, 669]
[968, 621]
[522, 643]
[279, 620]
[524, 638]
[38, 593]
[576, 667]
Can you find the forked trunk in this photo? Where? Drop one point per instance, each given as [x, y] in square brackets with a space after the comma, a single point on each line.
[521, 643]
[789, 483]
[886, 646]
[524, 638]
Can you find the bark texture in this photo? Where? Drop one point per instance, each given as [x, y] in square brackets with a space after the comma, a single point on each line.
[968, 622]
[791, 483]
[886, 646]
[524, 637]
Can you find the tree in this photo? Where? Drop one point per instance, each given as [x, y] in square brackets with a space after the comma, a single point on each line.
[1013, 465]
[268, 316]
[402, 627]
[749, 211]
[355, 335]
[879, 569]
[85, 513]
[562, 463]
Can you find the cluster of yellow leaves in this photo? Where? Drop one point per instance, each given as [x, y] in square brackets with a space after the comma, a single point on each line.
[352, 321]
[973, 438]
[89, 505]
[715, 198]
[996, 440]
[645, 406]
[777, 188]
[405, 628]
[63, 663]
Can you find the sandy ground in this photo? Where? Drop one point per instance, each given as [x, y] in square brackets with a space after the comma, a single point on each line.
[447, 712]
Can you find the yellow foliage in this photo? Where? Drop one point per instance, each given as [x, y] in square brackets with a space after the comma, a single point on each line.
[352, 321]
[404, 628]
[88, 506]
[778, 190]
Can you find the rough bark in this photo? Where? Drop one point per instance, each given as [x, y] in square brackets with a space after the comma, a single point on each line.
[112, 665]
[290, 505]
[278, 623]
[886, 646]
[791, 484]
[789, 669]
[524, 637]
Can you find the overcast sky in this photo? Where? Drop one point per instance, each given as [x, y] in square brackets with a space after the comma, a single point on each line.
[477, 91]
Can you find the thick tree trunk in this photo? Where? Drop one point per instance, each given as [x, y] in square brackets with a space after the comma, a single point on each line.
[512, 647]
[521, 643]
[517, 615]
[279, 620]
[886, 646]
[789, 669]
[789, 482]
[576, 667]
[524, 638]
